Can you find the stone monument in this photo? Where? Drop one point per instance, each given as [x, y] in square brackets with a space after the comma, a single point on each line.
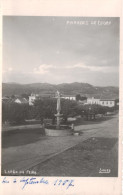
[58, 129]
[58, 115]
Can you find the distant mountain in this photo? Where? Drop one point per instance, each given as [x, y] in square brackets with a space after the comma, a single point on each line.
[9, 89]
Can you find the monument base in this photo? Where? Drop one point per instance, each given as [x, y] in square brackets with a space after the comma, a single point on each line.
[63, 131]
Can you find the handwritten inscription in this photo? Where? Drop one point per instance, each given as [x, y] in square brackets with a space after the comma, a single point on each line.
[26, 181]
[5, 180]
[69, 183]
[33, 180]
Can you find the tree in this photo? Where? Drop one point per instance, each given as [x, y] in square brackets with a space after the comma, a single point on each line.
[78, 97]
[13, 96]
[91, 110]
[25, 95]
[81, 98]
[45, 108]
[14, 113]
[68, 108]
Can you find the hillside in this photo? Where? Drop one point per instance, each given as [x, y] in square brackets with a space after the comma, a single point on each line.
[9, 89]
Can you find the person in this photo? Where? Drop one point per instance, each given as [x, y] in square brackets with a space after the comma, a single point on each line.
[72, 127]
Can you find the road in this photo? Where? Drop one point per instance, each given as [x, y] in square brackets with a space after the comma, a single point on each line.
[25, 149]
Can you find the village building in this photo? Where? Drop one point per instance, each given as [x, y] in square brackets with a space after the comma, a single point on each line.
[93, 101]
[32, 99]
[18, 100]
[5, 99]
[102, 102]
[21, 100]
[35, 97]
[107, 102]
[69, 97]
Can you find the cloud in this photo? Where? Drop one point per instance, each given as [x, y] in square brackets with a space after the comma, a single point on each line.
[93, 68]
[42, 69]
[79, 65]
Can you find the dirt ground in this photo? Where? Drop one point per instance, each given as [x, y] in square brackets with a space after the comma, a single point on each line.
[86, 159]
[93, 154]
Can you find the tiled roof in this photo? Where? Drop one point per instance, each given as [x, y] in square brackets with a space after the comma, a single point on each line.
[22, 100]
[107, 99]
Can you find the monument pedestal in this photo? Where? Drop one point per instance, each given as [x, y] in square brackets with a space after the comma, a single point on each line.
[64, 131]
[58, 116]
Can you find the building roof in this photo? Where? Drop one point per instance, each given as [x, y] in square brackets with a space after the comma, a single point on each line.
[22, 100]
[68, 95]
[5, 98]
[93, 98]
[107, 99]
[103, 96]
[8, 100]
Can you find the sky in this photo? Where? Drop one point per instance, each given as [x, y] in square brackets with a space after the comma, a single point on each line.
[57, 50]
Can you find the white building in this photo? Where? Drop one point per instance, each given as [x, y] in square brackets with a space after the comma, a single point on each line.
[21, 100]
[69, 97]
[93, 101]
[32, 99]
[107, 102]
[102, 102]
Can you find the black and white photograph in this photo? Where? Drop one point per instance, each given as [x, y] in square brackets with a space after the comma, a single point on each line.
[60, 96]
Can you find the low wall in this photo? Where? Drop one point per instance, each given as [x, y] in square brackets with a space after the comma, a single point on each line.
[19, 127]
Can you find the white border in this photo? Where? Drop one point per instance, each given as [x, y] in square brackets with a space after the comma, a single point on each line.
[92, 8]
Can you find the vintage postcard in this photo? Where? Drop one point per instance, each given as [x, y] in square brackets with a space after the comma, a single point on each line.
[61, 99]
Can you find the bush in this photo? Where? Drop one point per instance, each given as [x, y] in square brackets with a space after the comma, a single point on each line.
[14, 113]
